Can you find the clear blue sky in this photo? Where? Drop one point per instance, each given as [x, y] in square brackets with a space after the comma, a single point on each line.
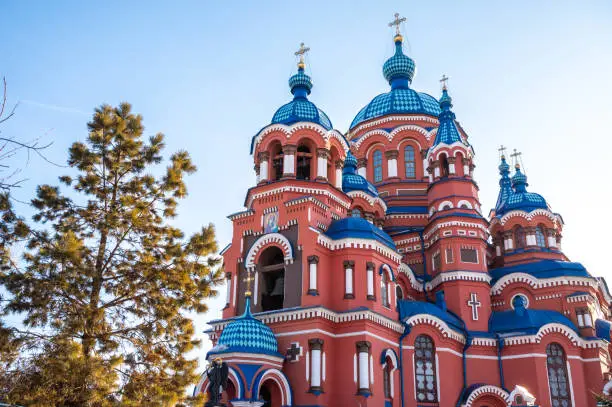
[532, 75]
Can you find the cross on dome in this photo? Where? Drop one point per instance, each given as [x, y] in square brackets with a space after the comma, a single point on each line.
[396, 22]
[444, 81]
[502, 151]
[300, 53]
[516, 157]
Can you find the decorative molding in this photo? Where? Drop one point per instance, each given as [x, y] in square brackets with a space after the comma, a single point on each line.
[437, 323]
[288, 131]
[483, 390]
[270, 238]
[299, 189]
[555, 328]
[370, 199]
[391, 135]
[240, 215]
[305, 199]
[354, 243]
[537, 283]
[527, 215]
[386, 119]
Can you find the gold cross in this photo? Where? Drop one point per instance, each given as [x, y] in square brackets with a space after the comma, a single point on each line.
[396, 22]
[249, 278]
[301, 52]
[443, 80]
[516, 156]
[502, 151]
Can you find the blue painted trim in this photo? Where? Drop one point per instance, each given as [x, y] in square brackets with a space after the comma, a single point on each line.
[381, 268]
[500, 347]
[425, 274]
[258, 380]
[384, 353]
[401, 362]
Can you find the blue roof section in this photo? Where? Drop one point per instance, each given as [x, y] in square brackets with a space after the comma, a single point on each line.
[398, 71]
[407, 209]
[505, 185]
[448, 133]
[519, 198]
[246, 334]
[521, 321]
[542, 269]
[602, 329]
[352, 181]
[300, 109]
[358, 228]
[408, 308]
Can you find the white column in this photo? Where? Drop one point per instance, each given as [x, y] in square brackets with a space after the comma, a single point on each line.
[363, 359]
[339, 175]
[370, 280]
[289, 160]
[497, 250]
[451, 165]
[361, 167]
[391, 163]
[348, 279]
[313, 262]
[322, 155]
[264, 156]
[316, 349]
[531, 240]
[436, 171]
[228, 292]
[362, 171]
[552, 241]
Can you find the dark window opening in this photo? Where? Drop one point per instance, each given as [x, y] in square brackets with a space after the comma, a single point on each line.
[387, 372]
[378, 170]
[265, 396]
[444, 167]
[277, 163]
[469, 256]
[272, 267]
[304, 159]
[519, 235]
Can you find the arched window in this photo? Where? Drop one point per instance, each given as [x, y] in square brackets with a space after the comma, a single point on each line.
[304, 158]
[425, 369]
[384, 289]
[277, 163]
[443, 166]
[540, 239]
[558, 382]
[409, 161]
[519, 237]
[356, 213]
[378, 170]
[387, 377]
[399, 294]
[271, 270]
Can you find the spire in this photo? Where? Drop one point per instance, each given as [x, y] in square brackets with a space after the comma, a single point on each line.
[505, 188]
[300, 83]
[447, 130]
[399, 69]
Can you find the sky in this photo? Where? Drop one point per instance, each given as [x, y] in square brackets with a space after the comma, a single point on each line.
[535, 76]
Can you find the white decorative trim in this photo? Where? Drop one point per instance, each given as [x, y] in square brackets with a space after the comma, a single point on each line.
[303, 190]
[305, 199]
[277, 375]
[464, 202]
[240, 215]
[580, 298]
[276, 238]
[537, 283]
[520, 390]
[437, 323]
[457, 146]
[527, 215]
[457, 275]
[390, 135]
[288, 131]
[438, 226]
[386, 119]
[370, 199]
[445, 203]
[488, 389]
[355, 243]
[555, 328]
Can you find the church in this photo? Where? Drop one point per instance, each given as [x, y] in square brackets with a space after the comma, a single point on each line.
[364, 272]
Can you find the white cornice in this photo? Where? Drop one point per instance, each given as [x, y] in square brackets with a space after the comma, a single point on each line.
[304, 190]
[370, 199]
[537, 283]
[386, 119]
[354, 243]
[555, 328]
[289, 130]
[390, 135]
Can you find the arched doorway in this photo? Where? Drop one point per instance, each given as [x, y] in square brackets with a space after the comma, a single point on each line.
[272, 269]
[270, 394]
[489, 400]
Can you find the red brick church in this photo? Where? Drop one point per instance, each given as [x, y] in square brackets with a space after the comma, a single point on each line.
[374, 278]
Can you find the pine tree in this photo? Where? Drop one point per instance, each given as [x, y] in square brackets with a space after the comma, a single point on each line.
[106, 281]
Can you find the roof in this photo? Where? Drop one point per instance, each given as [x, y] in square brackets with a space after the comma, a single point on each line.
[409, 308]
[358, 228]
[602, 329]
[518, 198]
[448, 133]
[300, 109]
[522, 321]
[352, 181]
[542, 269]
[246, 334]
[398, 71]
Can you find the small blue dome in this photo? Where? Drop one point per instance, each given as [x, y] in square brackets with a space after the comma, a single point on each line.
[247, 335]
[519, 198]
[447, 130]
[399, 66]
[352, 181]
[398, 71]
[358, 228]
[300, 109]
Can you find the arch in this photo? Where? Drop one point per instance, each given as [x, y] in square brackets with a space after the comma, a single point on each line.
[233, 376]
[385, 292]
[417, 133]
[385, 268]
[559, 384]
[489, 393]
[275, 239]
[554, 327]
[391, 354]
[445, 205]
[377, 135]
[463, 202]
[441, 326]
[280, 379]
[389, 365]
[425, 372]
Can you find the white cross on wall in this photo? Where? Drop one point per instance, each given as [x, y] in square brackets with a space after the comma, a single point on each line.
[475, 304]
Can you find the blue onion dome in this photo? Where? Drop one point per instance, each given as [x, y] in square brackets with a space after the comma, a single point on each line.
[448, 133]
[358, 228]
[399, 67]
[352, 181]
[519, 198]
[398, 71]
[300, 109]
[246, 334]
